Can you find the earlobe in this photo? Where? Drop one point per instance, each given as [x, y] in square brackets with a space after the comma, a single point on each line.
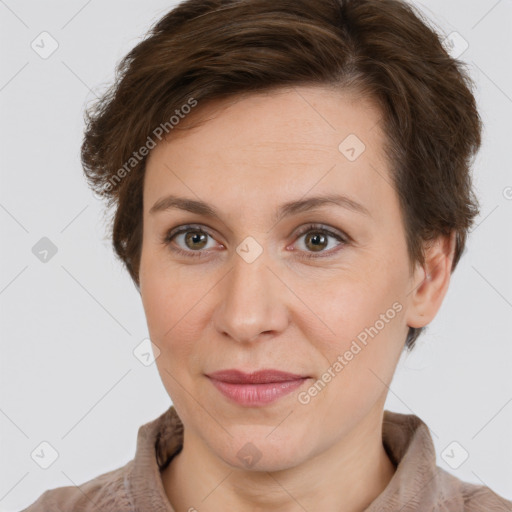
[431, 281]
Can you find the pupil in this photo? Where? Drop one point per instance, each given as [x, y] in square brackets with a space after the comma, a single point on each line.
[316, 239]
[196, 238]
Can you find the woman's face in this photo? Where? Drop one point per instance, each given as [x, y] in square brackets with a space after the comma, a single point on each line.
[253, 287]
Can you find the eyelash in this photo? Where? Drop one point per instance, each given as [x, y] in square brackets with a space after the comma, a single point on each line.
[343, 238]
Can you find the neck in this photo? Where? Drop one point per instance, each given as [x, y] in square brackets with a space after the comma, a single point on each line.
[345, 478]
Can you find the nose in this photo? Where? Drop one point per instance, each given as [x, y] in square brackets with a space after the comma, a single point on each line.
[251, 301]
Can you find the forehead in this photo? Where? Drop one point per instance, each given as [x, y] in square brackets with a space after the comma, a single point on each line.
[275, 145]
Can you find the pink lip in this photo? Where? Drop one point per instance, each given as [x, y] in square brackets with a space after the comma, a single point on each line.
[257, 388]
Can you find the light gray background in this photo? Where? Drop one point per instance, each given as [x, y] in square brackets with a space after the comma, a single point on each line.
[69, 326]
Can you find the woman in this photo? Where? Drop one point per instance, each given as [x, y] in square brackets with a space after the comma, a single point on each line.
[318, 154]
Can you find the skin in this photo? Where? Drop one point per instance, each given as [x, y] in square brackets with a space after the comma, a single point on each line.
[281, 311]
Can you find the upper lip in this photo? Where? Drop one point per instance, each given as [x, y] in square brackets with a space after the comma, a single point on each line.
[257, 377]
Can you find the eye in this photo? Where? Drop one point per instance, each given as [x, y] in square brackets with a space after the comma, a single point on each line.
[317, 239]
[193, 241]
[193, 238]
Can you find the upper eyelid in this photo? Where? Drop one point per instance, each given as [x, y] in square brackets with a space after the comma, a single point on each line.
[188, 227]
[335, 233]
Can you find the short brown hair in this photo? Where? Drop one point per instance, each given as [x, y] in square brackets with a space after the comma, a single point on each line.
[215, 49]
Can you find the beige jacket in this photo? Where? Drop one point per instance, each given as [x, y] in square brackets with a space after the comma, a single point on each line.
[417, 485]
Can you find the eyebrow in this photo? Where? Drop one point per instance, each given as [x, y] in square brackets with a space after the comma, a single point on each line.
[285, 210]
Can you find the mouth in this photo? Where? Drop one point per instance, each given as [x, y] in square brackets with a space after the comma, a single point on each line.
[258, 388]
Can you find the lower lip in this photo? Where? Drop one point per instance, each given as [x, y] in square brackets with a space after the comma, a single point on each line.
[257, 394]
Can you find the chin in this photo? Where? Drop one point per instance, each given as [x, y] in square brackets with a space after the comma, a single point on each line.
[257, 452]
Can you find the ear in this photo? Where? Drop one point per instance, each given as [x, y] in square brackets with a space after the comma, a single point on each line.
[431, 281]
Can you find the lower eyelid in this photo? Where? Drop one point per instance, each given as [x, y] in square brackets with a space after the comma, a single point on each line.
[170, 238]
[343, 240]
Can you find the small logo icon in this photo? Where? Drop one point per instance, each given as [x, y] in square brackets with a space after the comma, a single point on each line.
[352, 147]
[455, 455]
[507, 193]
[455, 44]
[44, 455]
[249, 455]
[146, 352]
[44, 45]
[249, 249]
[44, 250]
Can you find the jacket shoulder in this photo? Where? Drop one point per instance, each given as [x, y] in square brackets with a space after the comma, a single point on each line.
[480, 497]
[458, 495]
[107, 492]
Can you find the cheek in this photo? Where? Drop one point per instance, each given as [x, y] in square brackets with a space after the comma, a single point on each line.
[362, 353]
[366, 328]
[169, 297]
[174, 303]
[169, 309]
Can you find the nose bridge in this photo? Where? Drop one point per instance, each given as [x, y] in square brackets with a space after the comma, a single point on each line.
[251, 301]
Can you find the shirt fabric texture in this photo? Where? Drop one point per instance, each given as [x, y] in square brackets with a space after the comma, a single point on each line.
[417, 485]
